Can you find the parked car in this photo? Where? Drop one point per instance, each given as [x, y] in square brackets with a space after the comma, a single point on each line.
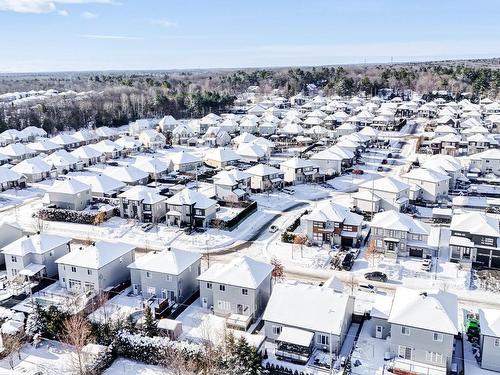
[273, 229]
[355, 252]
[358, 171]
[380, 169]
[369, 288]
[384, 161]
[426, 265]
[376, 276]
[288, 190]
[200, 229]
[146, 227]
[188, 230]
[348, 262]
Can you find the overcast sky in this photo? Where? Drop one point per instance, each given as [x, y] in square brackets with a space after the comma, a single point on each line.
[55, 35]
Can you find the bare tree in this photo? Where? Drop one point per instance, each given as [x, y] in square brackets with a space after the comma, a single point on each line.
[351, 283]
[77, 334]
[372, 254]
[278, 272]
[301, 241]
[12, 345]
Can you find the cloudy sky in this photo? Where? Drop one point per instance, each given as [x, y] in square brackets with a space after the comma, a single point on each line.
[55, 35]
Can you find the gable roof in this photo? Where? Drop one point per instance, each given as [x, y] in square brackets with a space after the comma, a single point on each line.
[489, 320]
[243, 271]
[172, 262]
[97, 255]
[477, 223]
[399, 221]
[35, 244]
[388, 183]
[434, 311]
[188, 197]
[68, 186]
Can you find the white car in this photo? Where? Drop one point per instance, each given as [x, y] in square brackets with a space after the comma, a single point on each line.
[426, 265]
[288, 190]
[368, 288]
[273, 229]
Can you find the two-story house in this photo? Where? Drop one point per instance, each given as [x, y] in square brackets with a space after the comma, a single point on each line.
[264, 178]
[238, 290]
[333, 224]
[166, 275]
[190, 208]
[302, 318]
[232, 185]
[142, 203]
[299, 171]
[475, 239]
[396, 234]
[95, 267]
[433, 184]
[35, 255]
[152, 140]
[221, 157]
[489, 341]
[69, 194]
[423, 327]
[388, 193]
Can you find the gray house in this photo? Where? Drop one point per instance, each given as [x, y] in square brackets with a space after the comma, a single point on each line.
[379, 315]
[70, 194]
[142, 203]
[9, 232]
[489, 320]
[35, 255]
[167, 275]
[96, 267]
[423, 327]
[238, 290]
[301, 318]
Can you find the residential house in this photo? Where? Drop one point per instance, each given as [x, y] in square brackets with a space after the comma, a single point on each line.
[486, 162]
[232, 185]
[9, 232]
[65, 140]
[396, 234]
[221, 157]
[183, 135]
[96, 267]
[152, 140]
[238, 290]
[166, 275]
[183, 161]
[489, 341]
[10, 179]
[433, 184]
[302, 318]
[108, 148]
[332, 224]
[216, 136]
[190, 208]
[69, 194]
[142, 203]
[34, 255]
[34, 169]
[101, 185]
[265, 178]
[156, 168]
[88, 155]
[63, 162]
[423, 327]
[298, 171]
[392, 194]
[475, 239]
[17, 151]
[128, 174]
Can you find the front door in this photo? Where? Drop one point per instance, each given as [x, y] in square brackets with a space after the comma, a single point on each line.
[204, 302]
[240, 309]
[379, 330]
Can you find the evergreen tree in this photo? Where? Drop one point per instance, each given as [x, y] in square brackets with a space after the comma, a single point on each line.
[149, 327]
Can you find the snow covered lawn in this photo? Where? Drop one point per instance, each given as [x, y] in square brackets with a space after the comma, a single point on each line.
[124, 366]
[118, 308]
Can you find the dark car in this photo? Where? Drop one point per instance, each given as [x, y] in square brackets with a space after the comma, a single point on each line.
[357, 171]
[380, 169]
[376, 276]
[348, 261]
[384, 161]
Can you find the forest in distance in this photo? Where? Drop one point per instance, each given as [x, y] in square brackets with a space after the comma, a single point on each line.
[116, 98]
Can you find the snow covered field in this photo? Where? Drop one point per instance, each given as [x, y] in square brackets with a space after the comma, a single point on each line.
[122, 366]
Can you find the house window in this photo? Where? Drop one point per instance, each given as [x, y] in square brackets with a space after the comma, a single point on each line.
[73, 269]
[405, 331]
[497, 343]
[323, 339]
[277, 330]
[405, 352]
[14, 272]
[434, 357]
[89, 272]
[151, 290]
[147, 207]
[222, 288]
[148, 275]
[209, 285]
[317, 236]
[437, 336]
[488, 241]
[14, 259]
[169, 278]
[51, 253]
[244, 292]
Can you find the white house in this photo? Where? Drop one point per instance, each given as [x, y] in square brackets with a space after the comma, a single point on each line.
[298, 171]
[264, 178]
[152, 140]
[232, 185]
[69, 194]
[142, 203]
[221, 157]
[392, 194]
[433, 185]
[190, 208]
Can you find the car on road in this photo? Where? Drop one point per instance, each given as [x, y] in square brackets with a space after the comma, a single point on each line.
[368, 288]
[384, 161]
[376, 276]
[288, 190]
[358, 171]
[355, 252]
[146, 227]
[380, 169]
[273, 229]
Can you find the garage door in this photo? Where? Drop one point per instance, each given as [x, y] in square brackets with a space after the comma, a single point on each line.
[495, 262]
[419, 253]
[483, 260]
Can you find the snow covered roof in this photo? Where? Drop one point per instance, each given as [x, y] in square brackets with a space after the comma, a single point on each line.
[107, 145]
[144, 194]
[447, 162]
[68, 186]
[399, 221]
[183, 157]
[190, 197]
[382, 306]
[32, 166]
[477, 223]
[242, 271]
[262, 170]
[244, 138]
[8, 175]
[97, 255]
[231, 177]
[296, 162]
[491, 154]
[106, 131]
[44, 146]
[434, 310]
[101, 184]
[151, 165]
[222, 155]
[308, 307]
[424, 174]
[330, 211]
[86, 152]
[251, 150]
[388, 183]
[35, 244]
[64, 139]
[296, 336]
[127, 174]
[15, 150]
[489, 320]
[172, 262]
